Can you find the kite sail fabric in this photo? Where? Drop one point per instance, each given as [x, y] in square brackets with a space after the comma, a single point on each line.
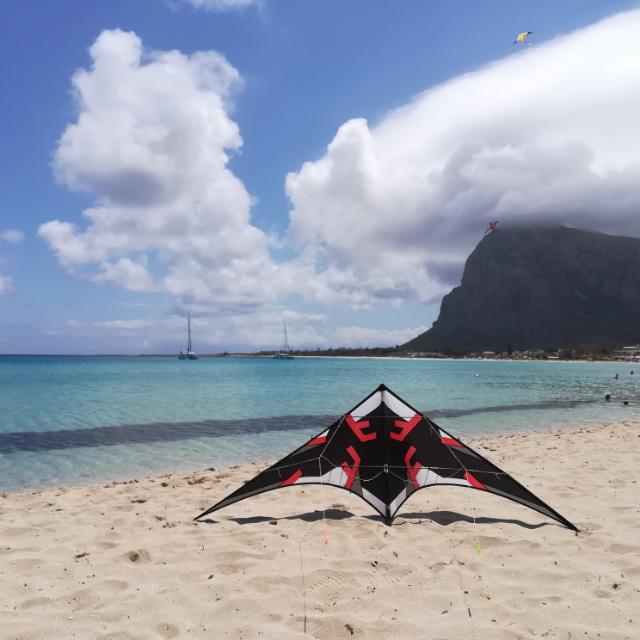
[383, 450]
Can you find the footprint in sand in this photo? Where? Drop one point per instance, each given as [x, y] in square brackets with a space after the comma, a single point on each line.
[387, 575]
[105, 545]
[22, 564]
[623, 548]
[98, 595]
[319, 626]
[15, 531]
[329, 578]
[117, 635]
[112, 586]
[264, 584]
[167, 630]
[137, 556]
[229, 569]
[32, 603]
[631, 570]
[238, 556]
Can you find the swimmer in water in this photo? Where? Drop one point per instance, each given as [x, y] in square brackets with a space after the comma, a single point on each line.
[608, 397]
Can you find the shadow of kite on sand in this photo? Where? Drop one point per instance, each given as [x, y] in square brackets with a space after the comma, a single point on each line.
[443, 518]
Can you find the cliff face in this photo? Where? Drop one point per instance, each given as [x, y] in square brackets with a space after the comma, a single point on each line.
[542, 287]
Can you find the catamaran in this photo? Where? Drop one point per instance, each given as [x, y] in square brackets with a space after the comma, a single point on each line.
[285, 353]
[188, 354]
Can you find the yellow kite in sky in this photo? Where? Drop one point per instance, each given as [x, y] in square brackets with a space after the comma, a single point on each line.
[522, 37]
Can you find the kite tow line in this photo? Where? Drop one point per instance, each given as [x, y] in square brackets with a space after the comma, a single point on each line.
[304, 586]
[462, 589]
[325, 539]
[325, 531]
[483, 590]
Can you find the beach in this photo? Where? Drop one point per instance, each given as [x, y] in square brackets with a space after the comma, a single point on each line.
[125, 560]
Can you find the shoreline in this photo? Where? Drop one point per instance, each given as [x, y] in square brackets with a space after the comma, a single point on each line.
[136, 477]
[125, 560]
[216, 356]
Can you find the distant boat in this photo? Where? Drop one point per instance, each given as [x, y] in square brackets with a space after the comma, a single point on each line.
[188, 354]
[285, 354]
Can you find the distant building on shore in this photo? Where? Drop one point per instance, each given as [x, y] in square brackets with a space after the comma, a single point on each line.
[632, 352]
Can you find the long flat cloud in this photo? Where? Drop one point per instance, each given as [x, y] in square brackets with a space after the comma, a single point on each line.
[549, 133]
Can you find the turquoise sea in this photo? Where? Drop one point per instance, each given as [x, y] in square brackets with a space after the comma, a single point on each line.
[77, 420]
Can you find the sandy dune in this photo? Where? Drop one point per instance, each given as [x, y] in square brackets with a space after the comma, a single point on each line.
[125, 561]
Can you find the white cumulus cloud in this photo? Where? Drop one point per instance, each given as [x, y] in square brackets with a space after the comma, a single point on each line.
[151, 143]
[391, 211]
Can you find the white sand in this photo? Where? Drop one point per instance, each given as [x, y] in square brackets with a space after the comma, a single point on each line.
[126, 561]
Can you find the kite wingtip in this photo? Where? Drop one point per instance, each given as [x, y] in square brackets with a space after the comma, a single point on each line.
[571, 527]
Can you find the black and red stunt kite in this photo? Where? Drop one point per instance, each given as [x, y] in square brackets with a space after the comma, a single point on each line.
[383, 450]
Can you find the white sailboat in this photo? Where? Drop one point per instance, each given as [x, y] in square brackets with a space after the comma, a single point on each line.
[285, 353]
[188, 353]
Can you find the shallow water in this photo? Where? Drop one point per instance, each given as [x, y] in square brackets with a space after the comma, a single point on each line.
[74, 420]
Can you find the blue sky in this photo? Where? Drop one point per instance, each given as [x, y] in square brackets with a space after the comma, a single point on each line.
[298, 76]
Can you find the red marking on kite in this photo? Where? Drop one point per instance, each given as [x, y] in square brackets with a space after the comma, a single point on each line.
[316, 441]
[351, 471]
[475, 483]
[405, 428]
[292, 478]
[450, 442]
[358, 428]
[412, 469]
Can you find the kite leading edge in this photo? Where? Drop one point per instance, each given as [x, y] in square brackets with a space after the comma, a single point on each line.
[383, 451]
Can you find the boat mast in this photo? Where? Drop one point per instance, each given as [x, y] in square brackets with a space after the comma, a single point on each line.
[286, 341]
[188, 332]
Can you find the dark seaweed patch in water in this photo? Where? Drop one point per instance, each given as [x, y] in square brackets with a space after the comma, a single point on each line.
[172, 431]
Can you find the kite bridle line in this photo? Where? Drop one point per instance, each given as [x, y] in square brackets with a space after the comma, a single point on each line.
[462, 589]
[325, 533]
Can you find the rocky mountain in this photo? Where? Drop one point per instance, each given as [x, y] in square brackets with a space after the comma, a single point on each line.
[541, 287]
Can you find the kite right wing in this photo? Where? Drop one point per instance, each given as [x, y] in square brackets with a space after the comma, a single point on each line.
[433, 457]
